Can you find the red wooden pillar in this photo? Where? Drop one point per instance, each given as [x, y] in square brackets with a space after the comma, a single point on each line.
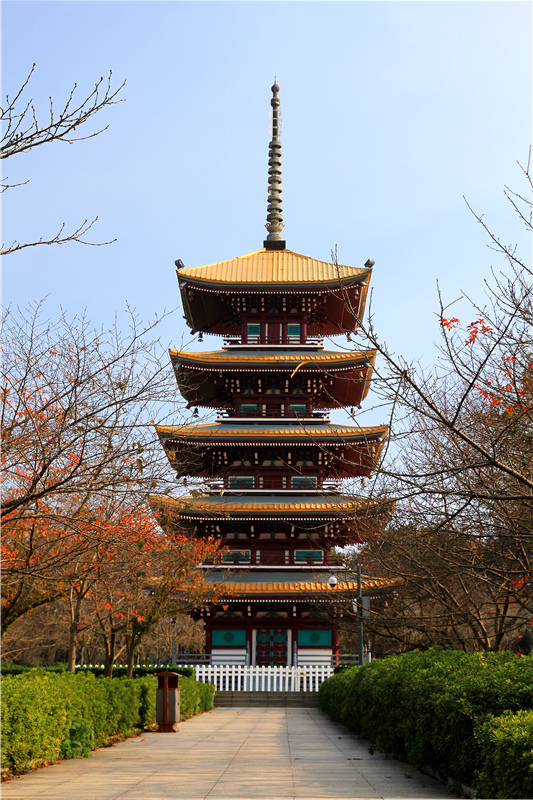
[208, 636]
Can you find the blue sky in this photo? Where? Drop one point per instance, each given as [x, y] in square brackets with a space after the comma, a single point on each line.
[392, 111]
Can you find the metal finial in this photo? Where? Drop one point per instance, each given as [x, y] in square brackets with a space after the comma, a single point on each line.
[274, 224]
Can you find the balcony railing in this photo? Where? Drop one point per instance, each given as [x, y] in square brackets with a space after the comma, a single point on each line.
[265, 483]
[315, 341]
[274, 413]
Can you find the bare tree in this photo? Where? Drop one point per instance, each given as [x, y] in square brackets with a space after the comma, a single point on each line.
[78, 444]
[460, 466]
[22, 132]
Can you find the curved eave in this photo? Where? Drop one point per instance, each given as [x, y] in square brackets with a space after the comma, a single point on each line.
[321, 509]
[355, 451]
[198, 374]
[269, 589]
[261, 273]
[235, 591]
[223, 361]
[225, 435]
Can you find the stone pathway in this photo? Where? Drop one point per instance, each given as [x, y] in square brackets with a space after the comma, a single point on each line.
[274, 753]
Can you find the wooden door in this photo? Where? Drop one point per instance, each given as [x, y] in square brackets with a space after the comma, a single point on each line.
[274, 332]
[271, 647]
[274, 556]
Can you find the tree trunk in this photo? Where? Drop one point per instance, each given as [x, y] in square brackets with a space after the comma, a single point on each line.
[76, 602]
[109, 644]
[134, 643]
[71, 660]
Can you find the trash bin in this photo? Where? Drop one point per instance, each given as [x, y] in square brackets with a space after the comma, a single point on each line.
[167, 701]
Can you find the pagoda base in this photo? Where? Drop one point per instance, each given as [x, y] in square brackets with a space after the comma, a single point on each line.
[275, 643]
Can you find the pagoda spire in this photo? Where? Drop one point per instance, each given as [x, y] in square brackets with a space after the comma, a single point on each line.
[274, 224]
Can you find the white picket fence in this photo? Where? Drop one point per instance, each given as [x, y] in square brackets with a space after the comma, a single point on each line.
[240, 678]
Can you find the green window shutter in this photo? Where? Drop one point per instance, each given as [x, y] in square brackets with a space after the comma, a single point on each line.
[228, 637]
[304, 482]
[318, 638]
[298, 410]
[241, 482]
[248, 409]
[253, 329]
[242, 556]
[308, 555]
[293, 329]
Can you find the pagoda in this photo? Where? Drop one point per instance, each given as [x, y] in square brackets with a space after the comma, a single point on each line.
[272, 461]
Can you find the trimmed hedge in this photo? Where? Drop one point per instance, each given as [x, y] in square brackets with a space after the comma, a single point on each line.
[118, 672]
[427, 707]
[138, 672]
[39, 709]
[507, 765]
[8, 668]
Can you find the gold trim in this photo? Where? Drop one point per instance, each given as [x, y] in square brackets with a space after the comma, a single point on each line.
[222, 431]
[219, 506]
[303, 588]
[221, 357]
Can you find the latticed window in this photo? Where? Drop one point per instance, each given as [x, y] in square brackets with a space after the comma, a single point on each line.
[309, 525]
[271, 528]
[293, 329]
[248, 409]
[305, 457]
[253, 329]
[236, 528]
[241, 455]
[272, 456]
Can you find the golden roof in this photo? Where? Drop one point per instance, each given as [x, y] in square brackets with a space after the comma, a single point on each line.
[273, 266]
[222, 357]
[303, 588]
[227, 505]
[225, 432]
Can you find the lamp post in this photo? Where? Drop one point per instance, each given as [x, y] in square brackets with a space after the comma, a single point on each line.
[359, 615]
[332, 582]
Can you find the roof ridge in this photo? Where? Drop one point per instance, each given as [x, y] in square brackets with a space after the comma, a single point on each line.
[265, 355]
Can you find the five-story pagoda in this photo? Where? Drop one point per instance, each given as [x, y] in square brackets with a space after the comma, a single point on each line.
[273, 461]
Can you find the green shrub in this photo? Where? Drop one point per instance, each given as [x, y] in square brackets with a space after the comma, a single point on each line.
[39, 709]
[138, 672]
[426, 707]
[507, 756]
[79, 742]
[8, 668]
[119, 671]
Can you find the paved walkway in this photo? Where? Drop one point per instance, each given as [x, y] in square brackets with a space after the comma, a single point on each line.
[273, 753]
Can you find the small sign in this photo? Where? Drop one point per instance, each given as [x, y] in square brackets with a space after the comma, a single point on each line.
[365, 602]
